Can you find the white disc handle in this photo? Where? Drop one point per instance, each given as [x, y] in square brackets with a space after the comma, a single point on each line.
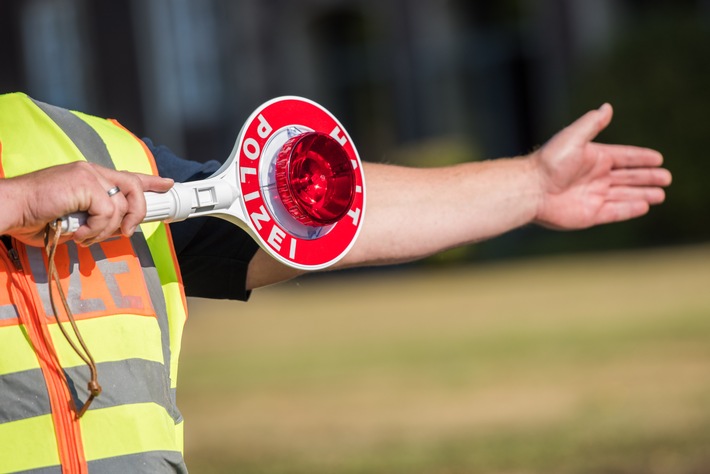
[182, 201]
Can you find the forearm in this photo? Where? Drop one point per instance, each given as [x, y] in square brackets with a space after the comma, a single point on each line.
[412, 213]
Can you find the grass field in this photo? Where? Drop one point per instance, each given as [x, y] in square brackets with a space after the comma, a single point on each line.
[588, 364]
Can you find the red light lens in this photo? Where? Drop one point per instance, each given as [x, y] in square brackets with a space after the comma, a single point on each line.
[315, 179]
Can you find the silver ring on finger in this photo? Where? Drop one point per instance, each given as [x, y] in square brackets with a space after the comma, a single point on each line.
[113, 190]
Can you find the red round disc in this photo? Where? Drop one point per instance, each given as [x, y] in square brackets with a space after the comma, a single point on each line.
[344, 219]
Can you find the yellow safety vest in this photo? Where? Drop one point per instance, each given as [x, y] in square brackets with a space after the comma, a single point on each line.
[128, 300]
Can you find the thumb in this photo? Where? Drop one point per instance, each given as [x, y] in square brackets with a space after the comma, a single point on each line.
[589, 125]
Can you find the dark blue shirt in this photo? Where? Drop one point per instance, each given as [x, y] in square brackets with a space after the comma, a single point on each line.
[213, 254]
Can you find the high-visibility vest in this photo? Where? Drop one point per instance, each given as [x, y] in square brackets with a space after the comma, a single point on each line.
[127, 298]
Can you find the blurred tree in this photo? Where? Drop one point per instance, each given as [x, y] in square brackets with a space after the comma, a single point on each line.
[656, 75]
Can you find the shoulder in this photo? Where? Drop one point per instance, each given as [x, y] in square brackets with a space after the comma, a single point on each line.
[179, 169]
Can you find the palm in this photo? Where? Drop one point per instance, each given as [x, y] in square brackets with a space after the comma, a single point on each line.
[586, 183]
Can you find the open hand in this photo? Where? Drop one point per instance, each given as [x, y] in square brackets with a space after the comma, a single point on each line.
[585, 183]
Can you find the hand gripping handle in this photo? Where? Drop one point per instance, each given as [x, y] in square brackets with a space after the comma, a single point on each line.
[183, 200]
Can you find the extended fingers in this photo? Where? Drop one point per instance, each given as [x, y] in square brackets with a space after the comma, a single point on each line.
[641, 177]
[627, 156]
[628, 202]
[648, 194]
[617, 211]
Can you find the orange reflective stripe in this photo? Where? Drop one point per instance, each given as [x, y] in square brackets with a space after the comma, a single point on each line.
[121, 276]
[100, 280]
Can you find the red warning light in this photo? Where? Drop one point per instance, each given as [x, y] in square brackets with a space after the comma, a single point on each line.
[309, 211]
[315, 179]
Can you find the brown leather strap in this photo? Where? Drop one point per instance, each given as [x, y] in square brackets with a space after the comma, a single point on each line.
[51, 245]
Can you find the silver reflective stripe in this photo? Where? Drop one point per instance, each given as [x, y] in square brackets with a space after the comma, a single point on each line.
[8, 311]
[149, 463]
[24, 394]
[123, 382]
[152, 462]
[86, 139]
[155, 290]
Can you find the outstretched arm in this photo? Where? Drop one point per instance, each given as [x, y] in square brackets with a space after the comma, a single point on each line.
[569, 183]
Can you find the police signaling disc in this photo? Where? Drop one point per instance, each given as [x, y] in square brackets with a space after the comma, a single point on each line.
[301, 183]
[293, 181]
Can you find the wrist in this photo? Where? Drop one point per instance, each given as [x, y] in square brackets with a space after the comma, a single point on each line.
[536, 175]
[10, 196]
[531, 186]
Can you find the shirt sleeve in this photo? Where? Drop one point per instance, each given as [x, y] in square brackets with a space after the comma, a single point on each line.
[213, 254]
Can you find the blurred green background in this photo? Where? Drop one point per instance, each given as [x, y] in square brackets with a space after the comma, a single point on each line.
[535, 352]
[595, 364]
